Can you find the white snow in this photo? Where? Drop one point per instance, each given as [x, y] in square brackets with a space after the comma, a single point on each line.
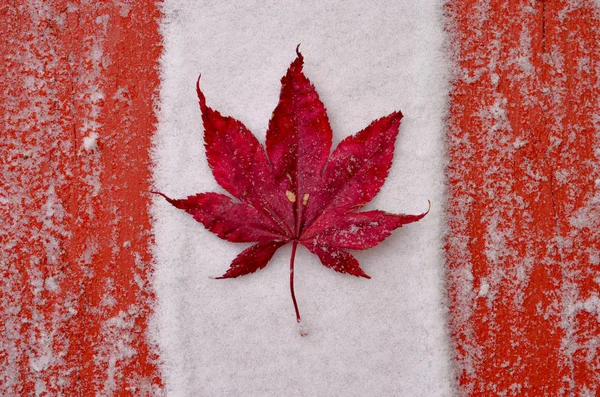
[484, 288]
[90, 142]
[380, 337]
[519, 143]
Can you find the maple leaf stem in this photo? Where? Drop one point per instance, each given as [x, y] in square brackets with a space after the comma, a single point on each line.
[294, 245]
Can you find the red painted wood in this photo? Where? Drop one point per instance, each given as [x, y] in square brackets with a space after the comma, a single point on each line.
[75, 294]
[524, 216]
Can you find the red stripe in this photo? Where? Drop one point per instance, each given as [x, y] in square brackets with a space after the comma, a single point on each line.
[524, 226]
[75, 236]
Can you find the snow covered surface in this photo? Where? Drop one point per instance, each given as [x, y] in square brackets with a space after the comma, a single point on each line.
[380, 337]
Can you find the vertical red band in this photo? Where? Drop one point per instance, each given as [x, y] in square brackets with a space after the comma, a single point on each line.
[79, 83]
[524, 210]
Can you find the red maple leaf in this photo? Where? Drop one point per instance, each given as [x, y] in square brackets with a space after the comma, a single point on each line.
[295, 191]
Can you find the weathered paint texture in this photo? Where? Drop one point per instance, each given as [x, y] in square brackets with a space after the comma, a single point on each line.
[524, 216]
[78, 81]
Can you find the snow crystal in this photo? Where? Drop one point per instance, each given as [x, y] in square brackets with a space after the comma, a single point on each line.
[380, 337]
[495, 79]
[51, 284]
[125, 9]
[484, 288]
[519, 143]
[592, 305]
[90, 142]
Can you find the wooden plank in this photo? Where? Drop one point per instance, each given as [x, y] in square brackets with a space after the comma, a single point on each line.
[79, 83]
[524, 216]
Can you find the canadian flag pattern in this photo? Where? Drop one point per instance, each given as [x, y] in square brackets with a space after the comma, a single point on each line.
[81, 83]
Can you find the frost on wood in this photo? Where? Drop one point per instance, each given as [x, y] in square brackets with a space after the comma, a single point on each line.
[295, 190]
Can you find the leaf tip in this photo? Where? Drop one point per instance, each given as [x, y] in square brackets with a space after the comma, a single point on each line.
[299, 58]
[421, 216]
[201, 98]
[170, 200]
[226, 275]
